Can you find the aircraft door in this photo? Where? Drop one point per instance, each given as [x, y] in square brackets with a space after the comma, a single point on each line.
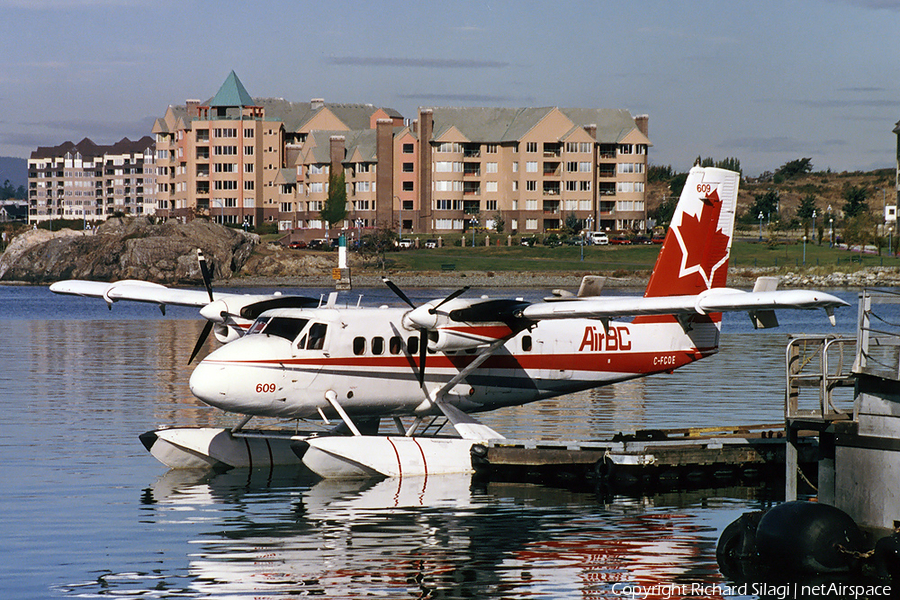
[309, 350]
[555, 357]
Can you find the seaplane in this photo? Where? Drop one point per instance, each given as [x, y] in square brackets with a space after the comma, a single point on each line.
[424, 370]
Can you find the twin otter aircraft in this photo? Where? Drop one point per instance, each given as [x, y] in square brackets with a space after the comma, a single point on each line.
[296, 358]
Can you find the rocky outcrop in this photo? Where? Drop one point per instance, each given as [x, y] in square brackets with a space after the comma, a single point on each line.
[127, 248]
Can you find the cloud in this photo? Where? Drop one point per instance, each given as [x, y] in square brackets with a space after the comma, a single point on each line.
[774, 145]
[426, 63]
[431, 97]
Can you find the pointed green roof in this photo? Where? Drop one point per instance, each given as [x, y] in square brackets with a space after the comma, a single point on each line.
[232, 93]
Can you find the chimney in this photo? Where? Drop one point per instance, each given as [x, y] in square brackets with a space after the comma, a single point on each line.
[384, 172]
[337, 154]
[193, 107]
[426, 131]
[643, 124]
[317, 103]
[591, 130]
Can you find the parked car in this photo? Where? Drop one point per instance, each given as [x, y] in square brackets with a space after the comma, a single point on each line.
[529, 241]
[599, 238]
[640, 239]
[620, 240]
[405, 243]
[658, 238]
[431, 243]
[299, 245]
[317, 244]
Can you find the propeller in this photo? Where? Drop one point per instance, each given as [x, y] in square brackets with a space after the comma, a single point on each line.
[417, 320]
[207, 282]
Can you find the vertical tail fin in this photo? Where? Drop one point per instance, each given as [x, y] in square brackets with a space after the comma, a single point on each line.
[694, 255]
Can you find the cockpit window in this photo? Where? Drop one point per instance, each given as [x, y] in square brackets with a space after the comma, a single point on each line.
[258, 325]
[285, 327]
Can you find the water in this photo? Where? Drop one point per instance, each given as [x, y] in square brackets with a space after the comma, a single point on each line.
[87, 512]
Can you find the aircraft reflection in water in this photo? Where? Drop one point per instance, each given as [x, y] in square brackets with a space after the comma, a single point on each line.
[437, 536]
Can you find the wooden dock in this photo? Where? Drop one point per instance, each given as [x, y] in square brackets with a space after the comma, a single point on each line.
[651, 460]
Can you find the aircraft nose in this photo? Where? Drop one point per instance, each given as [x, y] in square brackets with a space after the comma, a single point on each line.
[208, 383]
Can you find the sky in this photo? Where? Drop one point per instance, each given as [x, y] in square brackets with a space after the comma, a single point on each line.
[763, 81]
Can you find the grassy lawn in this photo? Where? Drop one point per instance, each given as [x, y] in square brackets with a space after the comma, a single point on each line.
[788, 257]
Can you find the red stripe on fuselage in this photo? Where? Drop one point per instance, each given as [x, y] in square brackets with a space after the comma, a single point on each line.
[600, 362]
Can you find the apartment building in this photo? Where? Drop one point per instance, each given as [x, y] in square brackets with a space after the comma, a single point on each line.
[90, 181]
[239, 159]
[528, 169]
[233, 158]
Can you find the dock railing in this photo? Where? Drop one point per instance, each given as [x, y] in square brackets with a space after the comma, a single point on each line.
[822, 364]
[878, 333]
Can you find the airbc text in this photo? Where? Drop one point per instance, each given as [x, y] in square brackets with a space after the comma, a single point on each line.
[611, 340]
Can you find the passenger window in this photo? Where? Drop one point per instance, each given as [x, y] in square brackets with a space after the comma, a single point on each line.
[412, 342]
[359, 346]
[377, 345]
[317, 336]
[396, 345]
[526, 343]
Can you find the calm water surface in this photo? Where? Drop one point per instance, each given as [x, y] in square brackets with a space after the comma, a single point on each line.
[87, 512]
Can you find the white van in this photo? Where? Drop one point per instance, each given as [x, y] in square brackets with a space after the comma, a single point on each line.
[599, 238]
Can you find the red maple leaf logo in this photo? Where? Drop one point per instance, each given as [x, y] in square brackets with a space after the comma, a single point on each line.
[704, 245]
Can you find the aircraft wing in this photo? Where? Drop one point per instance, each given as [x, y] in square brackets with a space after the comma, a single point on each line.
[135, 290]
[713, 300]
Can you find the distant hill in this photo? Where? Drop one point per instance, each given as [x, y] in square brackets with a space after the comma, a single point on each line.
[14, 169]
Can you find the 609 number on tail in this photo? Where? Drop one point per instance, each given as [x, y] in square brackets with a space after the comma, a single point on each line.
[265, 388]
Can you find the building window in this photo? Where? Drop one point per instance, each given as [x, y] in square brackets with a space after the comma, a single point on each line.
[490, 148]
[531, 185]
[407, 186]
[531, 147]
[490, 167]
[531, 224]
[531, 166]
[408, 167]
[408, 149]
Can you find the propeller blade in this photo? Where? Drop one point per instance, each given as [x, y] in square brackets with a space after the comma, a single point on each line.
[201, 340]
[204, 271]
[423, 352]
[455, 294]
[393, 287]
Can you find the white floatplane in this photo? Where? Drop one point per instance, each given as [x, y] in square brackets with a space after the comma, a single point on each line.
[297, 358]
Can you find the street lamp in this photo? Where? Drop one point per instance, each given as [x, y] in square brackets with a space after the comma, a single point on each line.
[760, 225]
[474, 223]
[804, 250]
[590, 221]
[814, 223]
[399, 218]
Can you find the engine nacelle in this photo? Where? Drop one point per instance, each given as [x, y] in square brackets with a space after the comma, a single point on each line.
[449, 339]
[227, 333]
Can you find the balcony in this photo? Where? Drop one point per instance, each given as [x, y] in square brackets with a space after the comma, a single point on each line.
[471, 188]
[552, 169]
[551, 207]
[606, 170]
[551, 188]
[471, 169]
[471, 150]
[552, 149]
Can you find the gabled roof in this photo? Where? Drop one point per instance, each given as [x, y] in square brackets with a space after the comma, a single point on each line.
[494, 124]
[361, 142]
[232, 93]
[88, 149]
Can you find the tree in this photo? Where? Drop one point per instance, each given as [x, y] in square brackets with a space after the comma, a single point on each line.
[677, 184]
[664, 212]
[572, 223]
[335, 208]
[807, 207]
[378, 242]
[855, 200]
[793, 168]
[766, 203]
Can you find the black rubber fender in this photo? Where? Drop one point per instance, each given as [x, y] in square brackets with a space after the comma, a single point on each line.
[886, 558]
[737, 545]
[808, 538]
